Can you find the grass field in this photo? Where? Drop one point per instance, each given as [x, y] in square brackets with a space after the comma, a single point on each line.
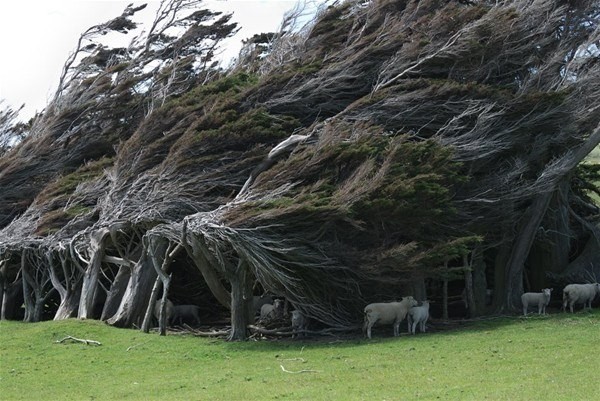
[545, 358]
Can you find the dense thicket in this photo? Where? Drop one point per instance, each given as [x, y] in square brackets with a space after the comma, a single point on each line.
[387, 147]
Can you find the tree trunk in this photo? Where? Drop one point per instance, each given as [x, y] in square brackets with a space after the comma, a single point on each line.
[472, 307]
[550, 251]
[116, 292]
[92, 272]
[150, 309]
[28, 298]
[445, 294]
[161, 268]
[520, 250]
[500, 285]
[163, 315]
[241, 295]
[479, 283]
[68, 288]
[202, 259]
[11, 299]
[135, 300]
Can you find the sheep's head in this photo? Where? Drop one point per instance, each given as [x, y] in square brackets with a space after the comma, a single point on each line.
[547, 292]
[410, 301]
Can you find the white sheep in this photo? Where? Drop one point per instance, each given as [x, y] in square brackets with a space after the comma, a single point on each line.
[387, 313]
[418, 315]
[259, 300]
[299, 323]
[272, 311]
[580, 294]
[541, 299]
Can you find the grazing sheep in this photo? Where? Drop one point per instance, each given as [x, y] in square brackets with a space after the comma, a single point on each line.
[169, 311]
[580, 294]
[259, 300]
[299, 323]
[189, 314]
[541, 299]
[418, 315]
[272, 311]
[387, 313]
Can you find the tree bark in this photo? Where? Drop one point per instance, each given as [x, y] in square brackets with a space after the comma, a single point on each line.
[241, 295]
[116, 292]
[163, 278]
[479, 282]
[472, 307]
[92, 272]
[445, 294]
[69, 288]
[150, 308]
[11, 299]
[135, 300]
[202, 258]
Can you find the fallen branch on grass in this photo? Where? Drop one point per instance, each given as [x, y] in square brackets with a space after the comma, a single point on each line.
[299, 371]
[79, 340]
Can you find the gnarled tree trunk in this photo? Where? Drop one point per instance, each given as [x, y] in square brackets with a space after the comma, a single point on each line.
[92, 272]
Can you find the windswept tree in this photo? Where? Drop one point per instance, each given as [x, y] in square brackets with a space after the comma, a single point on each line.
[387, 146]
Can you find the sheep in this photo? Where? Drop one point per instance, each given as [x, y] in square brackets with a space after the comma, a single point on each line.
[258, 301]
[189, 314]
[418, 315]
[272, 311]
[168, 310]
[541, 299]
[387, 313]
[579, 293]
[299, 323]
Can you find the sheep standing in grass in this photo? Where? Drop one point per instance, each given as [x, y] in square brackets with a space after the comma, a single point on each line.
[580, 294]
[541, 299]
[299, 323]
[387, 313]
[272, 311]
[418, 315]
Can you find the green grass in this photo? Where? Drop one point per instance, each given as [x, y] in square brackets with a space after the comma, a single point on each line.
[545, 358]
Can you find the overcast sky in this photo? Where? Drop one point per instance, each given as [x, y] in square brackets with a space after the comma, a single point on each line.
[36, 36]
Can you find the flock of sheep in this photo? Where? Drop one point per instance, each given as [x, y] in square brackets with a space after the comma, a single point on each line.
[266, 308]
[395, 312]
[572, 294]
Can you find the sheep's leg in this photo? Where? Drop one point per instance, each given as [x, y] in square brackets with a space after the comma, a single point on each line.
[423, 325]
[396, 328]
[409, 320]
[367, 327]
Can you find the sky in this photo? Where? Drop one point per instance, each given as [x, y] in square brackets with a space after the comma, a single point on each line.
[36, 37]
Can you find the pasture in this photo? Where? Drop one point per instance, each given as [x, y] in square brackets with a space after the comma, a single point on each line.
[511, 358]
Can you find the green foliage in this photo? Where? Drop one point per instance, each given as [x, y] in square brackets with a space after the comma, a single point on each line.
[586, 182]
[66, 184]
[490, 359]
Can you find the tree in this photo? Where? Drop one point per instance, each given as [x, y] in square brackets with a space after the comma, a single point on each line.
[386, 146]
